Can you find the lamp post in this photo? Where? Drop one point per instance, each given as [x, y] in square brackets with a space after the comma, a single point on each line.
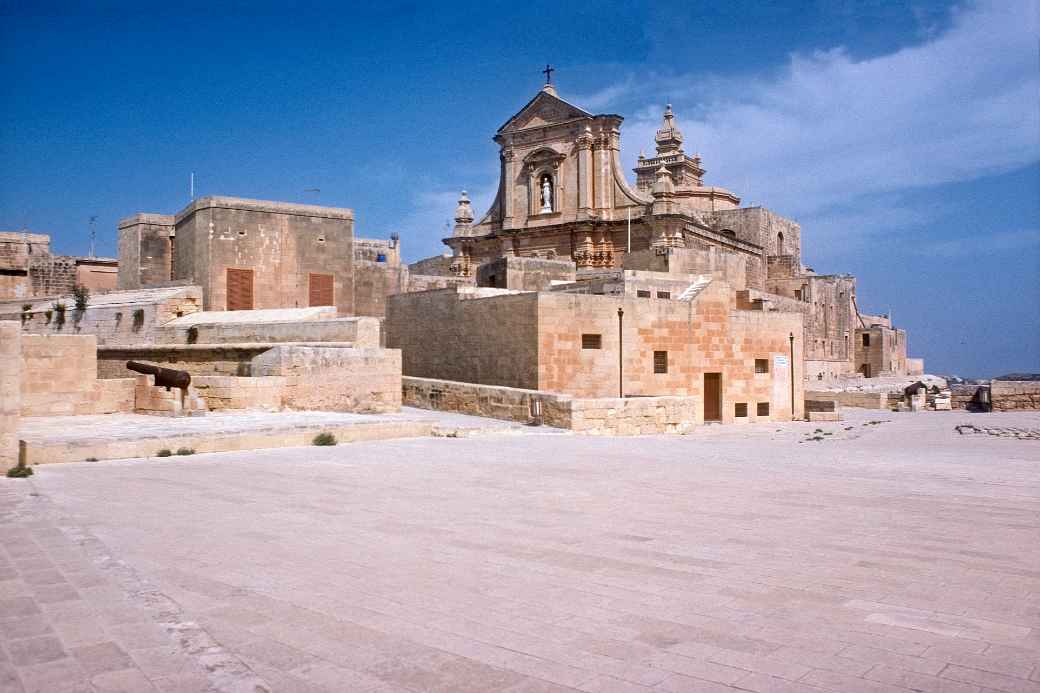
[620, 352]
[792, 375]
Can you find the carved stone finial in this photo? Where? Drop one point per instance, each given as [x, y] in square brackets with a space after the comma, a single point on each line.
[669, 138]
[663, 185]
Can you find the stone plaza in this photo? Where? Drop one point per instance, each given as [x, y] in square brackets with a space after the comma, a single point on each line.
[885, 553]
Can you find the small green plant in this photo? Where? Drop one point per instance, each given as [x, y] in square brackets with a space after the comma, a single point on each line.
[193, 334]
[138, 319]
[91, 459]
[119, 317]
[818, 430]
[20, 471]
[48, 314]
[185, 451]
[165, 452]
[324, 438]
[81, 295]
[26, 312]
[59, 314]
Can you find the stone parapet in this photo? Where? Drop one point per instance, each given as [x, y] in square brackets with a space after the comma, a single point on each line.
[593, 416]
[229, 392]
[59, 377]
[863, 400]
[1015, 395]
[10, 392]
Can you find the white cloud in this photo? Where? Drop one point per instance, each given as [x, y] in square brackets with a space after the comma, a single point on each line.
[829, 129]
[984, 243]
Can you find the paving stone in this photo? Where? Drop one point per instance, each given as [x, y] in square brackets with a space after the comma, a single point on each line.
[38, 650]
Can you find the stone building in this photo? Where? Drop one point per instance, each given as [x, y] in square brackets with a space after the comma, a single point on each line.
[258, 254]
[564, 211]
[736, 363]
[28, 269]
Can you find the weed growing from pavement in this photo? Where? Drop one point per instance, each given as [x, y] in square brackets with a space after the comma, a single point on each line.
[324, 438]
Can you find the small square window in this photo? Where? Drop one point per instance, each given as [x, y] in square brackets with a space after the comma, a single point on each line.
[664, 294]
[761, 365]
[740, 410]
[660, 362]
[762, 409]
[866, 340]
[591, 341]
[642, 294]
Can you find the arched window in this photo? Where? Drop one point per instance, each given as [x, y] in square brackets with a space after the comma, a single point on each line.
[780, 243]
[729, 233]
[546, 193]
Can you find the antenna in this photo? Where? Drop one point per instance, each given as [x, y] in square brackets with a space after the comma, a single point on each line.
[93, 235]
[193, 185]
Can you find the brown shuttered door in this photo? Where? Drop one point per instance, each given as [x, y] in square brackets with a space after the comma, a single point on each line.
[713, 396]
[239, 289]
[320, 286]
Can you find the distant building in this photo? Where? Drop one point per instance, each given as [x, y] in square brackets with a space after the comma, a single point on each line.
[29, 270]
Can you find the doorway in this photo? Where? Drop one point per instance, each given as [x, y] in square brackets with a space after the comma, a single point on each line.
[713, 396]
[239, 289]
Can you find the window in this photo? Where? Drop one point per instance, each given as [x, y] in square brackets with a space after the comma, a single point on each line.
[660, 362]
[866, 340]
[762, 409]
[780, 243]
[740, 410]
[664, 294]
[761, 365]
[321, 290]
[729, 233]
[643, 294]
[798, 294]
[591, 341]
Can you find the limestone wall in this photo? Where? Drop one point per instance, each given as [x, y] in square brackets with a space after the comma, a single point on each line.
[230, 392]
[334, 379]
[10, 392]
[59, 378]
[606, 416]
[197, 359]
[1012, 395]
[120, 317]
[478, 336]
[968, 397]
[863, 400]
[362, 332]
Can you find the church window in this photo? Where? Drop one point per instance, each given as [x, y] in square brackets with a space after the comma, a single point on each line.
[780, 243]
[592, 341]
[761, 365]
[660, 362]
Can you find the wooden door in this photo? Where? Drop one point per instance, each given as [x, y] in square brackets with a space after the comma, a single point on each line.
[239, 289]
[713, 396]
[320, 290]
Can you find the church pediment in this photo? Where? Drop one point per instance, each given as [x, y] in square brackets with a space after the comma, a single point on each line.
[544, 109]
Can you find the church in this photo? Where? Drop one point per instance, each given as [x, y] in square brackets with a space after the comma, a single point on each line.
[566, 212]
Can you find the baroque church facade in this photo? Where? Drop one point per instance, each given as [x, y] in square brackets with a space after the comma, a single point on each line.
[563, 195]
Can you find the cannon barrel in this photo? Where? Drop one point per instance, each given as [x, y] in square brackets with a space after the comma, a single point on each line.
[164, 377]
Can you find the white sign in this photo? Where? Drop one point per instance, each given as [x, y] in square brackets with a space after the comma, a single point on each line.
[779, 361]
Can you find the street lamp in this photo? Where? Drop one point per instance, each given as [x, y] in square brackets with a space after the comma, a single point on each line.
[792, 375]
[620, 352]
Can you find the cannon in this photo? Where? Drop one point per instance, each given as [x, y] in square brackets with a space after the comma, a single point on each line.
[164, 377]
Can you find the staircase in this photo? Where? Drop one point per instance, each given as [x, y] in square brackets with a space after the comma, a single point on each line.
[691, 292]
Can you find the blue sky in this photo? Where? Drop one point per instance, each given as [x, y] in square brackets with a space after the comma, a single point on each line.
[904, 137]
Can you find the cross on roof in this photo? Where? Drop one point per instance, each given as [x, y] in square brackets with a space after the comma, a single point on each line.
[548, 73]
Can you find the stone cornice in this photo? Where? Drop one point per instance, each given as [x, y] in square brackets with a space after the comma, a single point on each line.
[245, 204]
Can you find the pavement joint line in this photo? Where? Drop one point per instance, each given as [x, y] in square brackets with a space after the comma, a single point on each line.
[224, 670]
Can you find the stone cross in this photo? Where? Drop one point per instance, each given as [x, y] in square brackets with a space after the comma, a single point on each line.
[548, 73]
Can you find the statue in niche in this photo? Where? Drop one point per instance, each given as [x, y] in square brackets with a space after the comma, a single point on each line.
[547, 201]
